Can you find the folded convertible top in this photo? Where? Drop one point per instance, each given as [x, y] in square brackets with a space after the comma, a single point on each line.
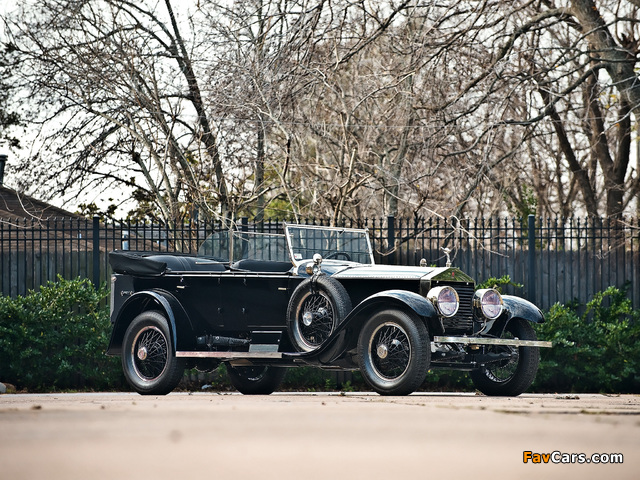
[152, 264]
[130, 263]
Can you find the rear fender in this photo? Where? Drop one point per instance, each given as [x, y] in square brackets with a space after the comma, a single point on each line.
[160, 300]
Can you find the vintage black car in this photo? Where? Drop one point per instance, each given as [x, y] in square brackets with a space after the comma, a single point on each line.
[262, 303]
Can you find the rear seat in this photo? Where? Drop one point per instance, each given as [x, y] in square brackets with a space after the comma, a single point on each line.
[188, 264]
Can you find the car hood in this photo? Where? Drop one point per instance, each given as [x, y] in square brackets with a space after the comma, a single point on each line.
[399, 273]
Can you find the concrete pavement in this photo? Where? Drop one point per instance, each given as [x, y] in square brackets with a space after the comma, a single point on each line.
[317, 436]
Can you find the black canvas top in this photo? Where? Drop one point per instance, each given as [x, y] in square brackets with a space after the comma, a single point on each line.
[155, 264]
[130, 263]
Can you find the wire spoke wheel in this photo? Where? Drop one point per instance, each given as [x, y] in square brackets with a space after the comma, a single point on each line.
[148, 358]
[316, 308]
[394, 352]
[315, 320]
[150, 353]
[390, 351]
[515, 372]
[504, 370]
[256, 380]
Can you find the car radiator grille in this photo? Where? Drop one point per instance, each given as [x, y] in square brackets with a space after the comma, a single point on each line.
[461, 322]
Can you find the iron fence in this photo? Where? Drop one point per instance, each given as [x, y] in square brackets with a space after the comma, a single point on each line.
[556, 260]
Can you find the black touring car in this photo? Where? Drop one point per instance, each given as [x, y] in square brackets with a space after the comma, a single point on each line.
[263, 303]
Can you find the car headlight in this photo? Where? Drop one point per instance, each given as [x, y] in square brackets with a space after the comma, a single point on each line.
[445, 299]
[489, 301]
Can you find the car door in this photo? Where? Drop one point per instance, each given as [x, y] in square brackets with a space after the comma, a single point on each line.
[250, 301]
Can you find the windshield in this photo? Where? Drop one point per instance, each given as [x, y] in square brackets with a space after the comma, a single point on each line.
[332, 243]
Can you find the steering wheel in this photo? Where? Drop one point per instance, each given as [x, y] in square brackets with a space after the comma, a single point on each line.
[335, 255]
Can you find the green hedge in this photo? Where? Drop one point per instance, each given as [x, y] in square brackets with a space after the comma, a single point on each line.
[55, 338]
[595, 347]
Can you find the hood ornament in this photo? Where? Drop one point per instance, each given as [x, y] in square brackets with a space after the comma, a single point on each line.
[447, 251]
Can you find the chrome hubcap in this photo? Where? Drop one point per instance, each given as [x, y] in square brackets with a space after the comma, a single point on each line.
[382, 351]
[307, 318]
[142, 353]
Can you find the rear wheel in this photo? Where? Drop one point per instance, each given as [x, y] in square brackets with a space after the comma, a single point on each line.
[514, 374]
[148, 357]
[259, 380]
[394, 352]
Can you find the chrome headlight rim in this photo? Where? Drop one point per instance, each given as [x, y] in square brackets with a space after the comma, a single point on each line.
[441, 297]
[489, 303]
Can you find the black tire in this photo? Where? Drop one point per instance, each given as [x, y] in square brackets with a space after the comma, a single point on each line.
[316, 308]
[394, 352]
[148, 356]
[513, 376]
[261, 380]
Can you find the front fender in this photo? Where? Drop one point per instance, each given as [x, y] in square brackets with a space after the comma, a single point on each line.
[515, 307]
[414, 301]
[520, 308]
[156, 299]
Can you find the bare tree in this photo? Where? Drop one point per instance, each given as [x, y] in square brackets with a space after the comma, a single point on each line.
[116, 93]
[335, 108]
[588, 92]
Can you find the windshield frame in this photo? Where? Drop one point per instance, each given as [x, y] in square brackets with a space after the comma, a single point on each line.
[299, 261]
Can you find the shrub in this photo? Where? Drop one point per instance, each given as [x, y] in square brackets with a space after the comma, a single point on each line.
[56, 338]
[595, 351]
[499, 283]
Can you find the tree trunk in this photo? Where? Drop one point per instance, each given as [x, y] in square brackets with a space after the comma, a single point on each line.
[208, 137]
[259, 175]
[617, 61]
[613, 170]
[581, 175]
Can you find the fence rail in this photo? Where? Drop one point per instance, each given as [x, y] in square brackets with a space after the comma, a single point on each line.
[557, 260]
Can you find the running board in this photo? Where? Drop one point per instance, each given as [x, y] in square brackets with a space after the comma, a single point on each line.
[229, 355]
[492, 341]
[437, 339]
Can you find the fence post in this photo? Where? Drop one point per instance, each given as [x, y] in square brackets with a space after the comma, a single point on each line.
[391, 239]
[531, 287]
[96, 251]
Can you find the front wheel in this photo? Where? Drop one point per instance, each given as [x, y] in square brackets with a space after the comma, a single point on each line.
[148, 357]
[394, 352]
[514, 374]
[256, 380]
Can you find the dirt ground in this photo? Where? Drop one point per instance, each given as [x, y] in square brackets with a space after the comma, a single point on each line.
[316, 436]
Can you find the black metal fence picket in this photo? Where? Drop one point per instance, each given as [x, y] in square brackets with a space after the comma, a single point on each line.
[557, 260]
